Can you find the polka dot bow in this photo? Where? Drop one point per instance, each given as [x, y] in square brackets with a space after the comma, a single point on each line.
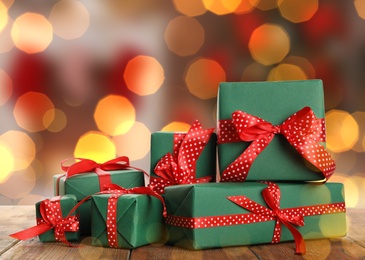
[302, 130]
[180, 167]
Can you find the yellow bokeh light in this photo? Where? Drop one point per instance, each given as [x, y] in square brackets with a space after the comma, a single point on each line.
[19, 184]
[32, 33]
[351, 189]
[203, 77]
[114, 115]
[30, 109]
[266, 5]
[254, 72]
[360, 8]
[176, 127]
[144, 75]
[184, 35]
[269, 44]
[360, 119]
[6, 87]
[135, 143]
[95, 146]
[342, 131]
[221, 7]
[55, 120]
[302, 63]
[3, 16]
[286, 72]
[70, 19]
[190, 7]
[299, 10]
[7, 162]
[246, 6]
[6, 43]
[22, 147]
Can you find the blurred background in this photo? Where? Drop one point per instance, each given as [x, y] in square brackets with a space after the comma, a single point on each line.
[94, 79]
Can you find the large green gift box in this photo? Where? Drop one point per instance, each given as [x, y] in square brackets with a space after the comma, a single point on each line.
[213, 215]
[193, 153]
[250, 113]
[139, 221]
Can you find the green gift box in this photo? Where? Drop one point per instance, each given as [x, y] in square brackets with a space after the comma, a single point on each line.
[139, 220]
[209, 215]
[273, 102]
[65, 204]
[177, 144]
[88, 183]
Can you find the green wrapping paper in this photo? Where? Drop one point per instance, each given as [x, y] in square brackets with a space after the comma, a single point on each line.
[67, 202]
[273, 102]
[211, 200]
[86, 184]
[139, 220]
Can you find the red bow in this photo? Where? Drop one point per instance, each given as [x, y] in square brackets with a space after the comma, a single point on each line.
[271, 194]
[302, 130]
[180, 168]
[51, 213]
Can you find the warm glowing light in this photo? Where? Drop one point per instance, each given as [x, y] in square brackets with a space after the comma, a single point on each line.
[7, 162]
[55, 120]
[221, 7]
[135, 143]
[114, 115]
[31, 199]
[303, 64]
[144, 75]
[32, 33]
[19, 184]
[6, 43]
[299, 10]
[6, 87]
[3, 16]
[342, 131]
[203, 77]
[360, 8]
[30, 109]
[266, 5]
[22, 147]
[351, 189]
[184, 35]
[176, 127]
[254, 72]
[360, 119]
[70, 19]
[269, 44]
[95, 146]
[312, 245]
[190, 7]
[246, 6]
[286, 72]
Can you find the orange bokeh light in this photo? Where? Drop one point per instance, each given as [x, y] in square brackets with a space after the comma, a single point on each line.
[286, 72]
[246, 6]
[6, 87]
[176, 127]
[303, 63]
[6, 43]
[30, 109]
[114, 115]
[360, 8]
[55, 120]
[3, 16]
[266, 5]
[19, 184]
[221, 7]
[32, 33]
[184, 35]
[299, 10]
[190, 7]
[203, 77]
[144, 75]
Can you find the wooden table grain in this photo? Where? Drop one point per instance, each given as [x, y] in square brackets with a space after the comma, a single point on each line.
[16, 218]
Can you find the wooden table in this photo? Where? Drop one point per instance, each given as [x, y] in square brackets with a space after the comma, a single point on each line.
[16, 218]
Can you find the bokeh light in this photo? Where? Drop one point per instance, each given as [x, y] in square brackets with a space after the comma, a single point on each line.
[6, 87]
[351, 188]
[299, 10]
[95, 146]
[30, 109]
[246, 6]
[203, 77]
[19, 184]
[6, 161]
[266, 5]
[360, 8]
[31, 199]
[359, 117]
[302, 63]
[69, 19]
[221, 7]
[342, 131]
[144, 75]
[184, 35]
[190, 7]
[176, 127]
[3, 16]
[269, 44]
[6, 43]
[286, 72]
[135, 143]
[114, 115]
[254, 72]
[32, 33]
[55, 120]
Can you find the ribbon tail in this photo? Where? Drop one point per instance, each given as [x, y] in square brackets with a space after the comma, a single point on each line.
[32, 232]
[300, 247]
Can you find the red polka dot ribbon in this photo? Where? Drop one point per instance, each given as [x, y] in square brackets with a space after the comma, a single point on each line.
[180, 167]
[89, 166]
[302, 130]
[290, 217]
[51, 218]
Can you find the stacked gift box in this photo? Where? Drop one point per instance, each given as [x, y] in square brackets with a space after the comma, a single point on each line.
[270, 184]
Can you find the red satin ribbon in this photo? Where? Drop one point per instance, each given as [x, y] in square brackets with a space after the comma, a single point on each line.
[51, 218]
[88, 166]
[180, 167]
[302, 130]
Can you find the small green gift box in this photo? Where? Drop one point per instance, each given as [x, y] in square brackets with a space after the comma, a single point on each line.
[181, 158]
[272, 131]
[137, 220]
[213, 215]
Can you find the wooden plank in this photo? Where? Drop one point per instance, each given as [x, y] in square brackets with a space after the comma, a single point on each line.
[356, 225]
